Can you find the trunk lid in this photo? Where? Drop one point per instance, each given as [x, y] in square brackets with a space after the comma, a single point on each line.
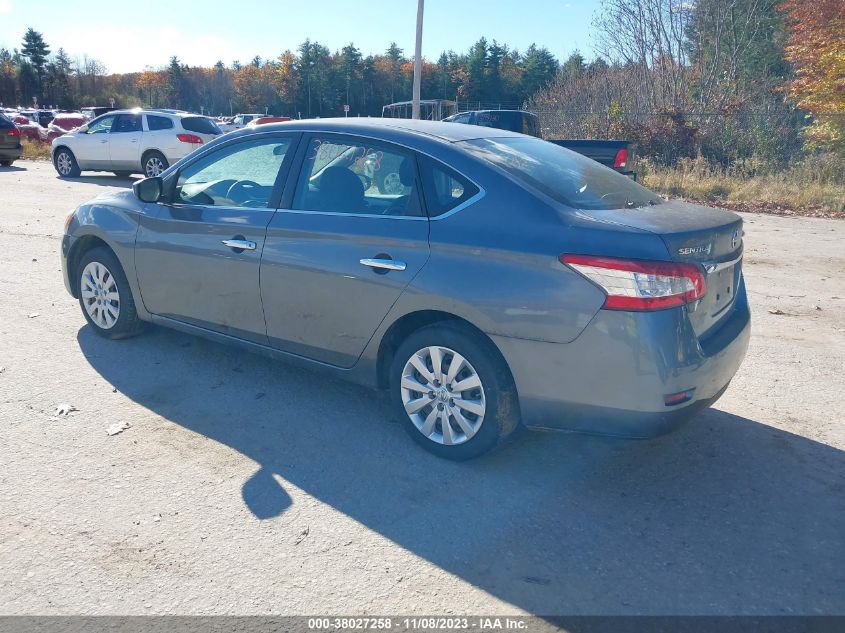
[695, 234]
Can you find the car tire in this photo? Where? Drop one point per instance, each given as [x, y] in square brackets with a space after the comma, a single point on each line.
[153, 164]
[65, 163]
[6, 163]
[105, 296]
[478, 418]
[122, 174]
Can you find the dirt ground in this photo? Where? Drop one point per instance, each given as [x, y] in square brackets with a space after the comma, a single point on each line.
[245, 486]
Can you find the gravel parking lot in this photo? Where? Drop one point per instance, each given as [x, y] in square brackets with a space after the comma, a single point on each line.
[246, 486]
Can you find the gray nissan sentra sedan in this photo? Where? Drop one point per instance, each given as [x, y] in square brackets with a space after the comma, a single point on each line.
[486, 279]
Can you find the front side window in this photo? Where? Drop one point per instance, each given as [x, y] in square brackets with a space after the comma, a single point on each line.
[239, 175]
[561, 174]
[101, 126]
[356, 176]
[127, 123]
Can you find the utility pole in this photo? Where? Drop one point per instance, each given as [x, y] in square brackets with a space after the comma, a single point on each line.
[415, 112]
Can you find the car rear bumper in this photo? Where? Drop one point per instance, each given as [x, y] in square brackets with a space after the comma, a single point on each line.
[613, 378]
[11, 153]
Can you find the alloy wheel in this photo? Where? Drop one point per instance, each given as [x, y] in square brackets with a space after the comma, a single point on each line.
[100, 295]
[64, 163]
[153, 166]
[443, 395]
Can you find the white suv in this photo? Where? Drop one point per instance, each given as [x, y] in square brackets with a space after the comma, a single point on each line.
[131, 141]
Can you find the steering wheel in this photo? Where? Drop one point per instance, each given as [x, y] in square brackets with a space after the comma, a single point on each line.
[240, 191]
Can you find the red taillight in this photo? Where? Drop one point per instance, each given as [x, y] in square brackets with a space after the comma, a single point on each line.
[641, 285]
[621, 160]
[189, 138]
[15, 131]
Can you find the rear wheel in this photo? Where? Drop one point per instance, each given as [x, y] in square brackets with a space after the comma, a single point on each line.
[105, 296]
[6, 163]
[65, 163]
[154, 163]
[453, 392]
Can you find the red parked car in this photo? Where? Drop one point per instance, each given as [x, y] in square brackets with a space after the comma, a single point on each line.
[63, 123]
[28, 128]
[268, 119]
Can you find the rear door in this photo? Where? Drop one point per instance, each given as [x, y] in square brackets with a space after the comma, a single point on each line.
[340, 251]
[197, 257]
[125, 142]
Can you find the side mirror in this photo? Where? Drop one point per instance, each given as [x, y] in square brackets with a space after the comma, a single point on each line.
[148, 189]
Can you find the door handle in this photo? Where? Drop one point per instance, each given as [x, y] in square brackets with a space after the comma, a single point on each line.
[241, 245]
[384, 264]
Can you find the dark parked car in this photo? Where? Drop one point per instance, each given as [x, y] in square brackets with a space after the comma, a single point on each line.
[92, 112]
[43, 117]
[616, 154]
[512, 120]
[510, 281]
[10, 142]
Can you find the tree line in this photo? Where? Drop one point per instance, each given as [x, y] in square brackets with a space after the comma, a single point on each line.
[732, 80]
[728, 79]
[310, 81]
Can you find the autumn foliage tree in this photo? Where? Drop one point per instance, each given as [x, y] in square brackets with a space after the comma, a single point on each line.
[816, 49]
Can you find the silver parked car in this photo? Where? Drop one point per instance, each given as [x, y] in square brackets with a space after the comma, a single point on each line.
[131, 141]
[502, 281]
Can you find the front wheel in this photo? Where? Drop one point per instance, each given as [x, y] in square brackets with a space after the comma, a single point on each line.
[6, 163]
[154, 163]
[65, 163]
[453, 392]
[105, 296]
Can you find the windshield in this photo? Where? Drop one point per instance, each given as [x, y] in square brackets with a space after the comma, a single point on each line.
[562, 174]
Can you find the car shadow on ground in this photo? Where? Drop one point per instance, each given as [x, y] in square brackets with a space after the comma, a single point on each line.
[725, 516]
[11, 168]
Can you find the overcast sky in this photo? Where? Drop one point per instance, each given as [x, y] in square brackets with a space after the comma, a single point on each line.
[130, 36]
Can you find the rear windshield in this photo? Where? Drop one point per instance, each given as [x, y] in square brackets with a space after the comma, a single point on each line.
[562, 174]
[5, 124]
[200, 125]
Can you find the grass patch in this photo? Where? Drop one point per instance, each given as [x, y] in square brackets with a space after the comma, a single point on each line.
[817, 184]
[35, 150]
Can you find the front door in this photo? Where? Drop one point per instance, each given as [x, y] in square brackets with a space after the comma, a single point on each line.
[343, 247]
[198, 256]
[91, 148]
[125, 142]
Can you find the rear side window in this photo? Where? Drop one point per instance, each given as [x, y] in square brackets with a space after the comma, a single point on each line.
[127, 123]
[356, 177]
[155, 123]
[200, 125]
[443, 187]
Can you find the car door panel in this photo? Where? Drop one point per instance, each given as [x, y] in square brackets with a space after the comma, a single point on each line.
[187, 273]
[187, 268]
[125, 142]
[320, 301]
[91, 148]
